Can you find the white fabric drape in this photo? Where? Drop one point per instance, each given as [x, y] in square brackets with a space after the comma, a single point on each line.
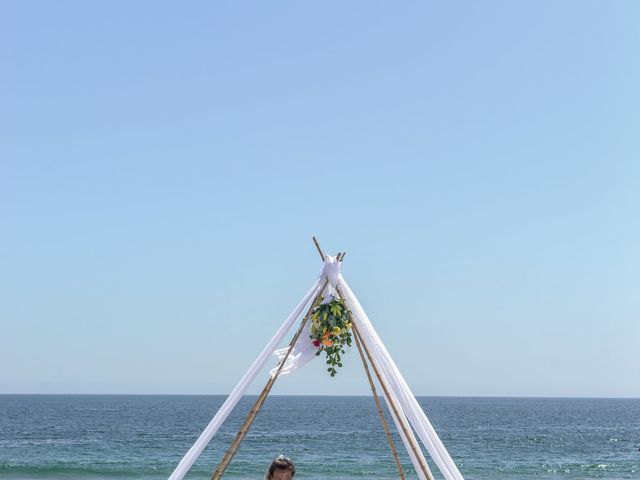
[398, 386]
[231, 401]
[415, 461]
[304, 351]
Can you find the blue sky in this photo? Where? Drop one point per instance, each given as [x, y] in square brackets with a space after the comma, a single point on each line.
[163, 167]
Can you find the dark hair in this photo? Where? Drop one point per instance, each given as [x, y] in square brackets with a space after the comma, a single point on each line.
[281, 463]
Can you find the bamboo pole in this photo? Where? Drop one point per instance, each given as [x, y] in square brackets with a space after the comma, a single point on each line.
[230, 453]
[385, 425]
[339, 256]
[319, 249]
[401, 418]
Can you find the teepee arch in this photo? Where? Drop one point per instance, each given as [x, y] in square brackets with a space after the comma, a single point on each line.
[406, 413]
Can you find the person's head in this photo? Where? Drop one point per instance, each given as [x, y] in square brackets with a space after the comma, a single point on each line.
[281, 469]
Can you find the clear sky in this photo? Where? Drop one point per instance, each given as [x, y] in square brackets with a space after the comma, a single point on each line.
[163, 166]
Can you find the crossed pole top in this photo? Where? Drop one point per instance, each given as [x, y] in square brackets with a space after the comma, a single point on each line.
[339, 257]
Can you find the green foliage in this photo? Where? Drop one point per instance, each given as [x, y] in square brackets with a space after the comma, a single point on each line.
[331, 331]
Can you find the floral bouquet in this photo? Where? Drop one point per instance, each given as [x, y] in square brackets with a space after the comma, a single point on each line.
[331, 331]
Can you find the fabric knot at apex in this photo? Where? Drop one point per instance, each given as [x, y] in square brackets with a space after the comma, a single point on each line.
[332, 269]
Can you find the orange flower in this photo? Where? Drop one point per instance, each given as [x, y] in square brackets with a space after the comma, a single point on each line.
[327, 343]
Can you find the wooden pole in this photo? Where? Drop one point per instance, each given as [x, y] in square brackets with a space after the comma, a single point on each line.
[230, 453]
[339, 256]
[380, 412]
[423, 465]
[319, 249]
[401, 419]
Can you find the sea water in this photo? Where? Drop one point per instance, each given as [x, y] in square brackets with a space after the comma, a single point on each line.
[144, 437]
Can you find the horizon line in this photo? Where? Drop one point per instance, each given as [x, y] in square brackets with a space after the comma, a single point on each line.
[586, 397]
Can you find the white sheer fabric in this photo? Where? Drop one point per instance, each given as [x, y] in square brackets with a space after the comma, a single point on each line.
[399, 388]
[304, 351]
[332, 271]
[405, 441]
[231, 401]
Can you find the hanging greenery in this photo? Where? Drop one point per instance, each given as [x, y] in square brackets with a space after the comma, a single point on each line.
[331, 331]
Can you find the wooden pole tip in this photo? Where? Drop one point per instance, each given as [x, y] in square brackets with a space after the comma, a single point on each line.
[315, 240]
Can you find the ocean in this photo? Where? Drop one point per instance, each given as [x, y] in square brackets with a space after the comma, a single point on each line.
[144, 437]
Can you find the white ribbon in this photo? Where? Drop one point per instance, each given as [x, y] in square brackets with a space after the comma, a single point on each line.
[400, 391]
[234, 397]
[305, 351]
